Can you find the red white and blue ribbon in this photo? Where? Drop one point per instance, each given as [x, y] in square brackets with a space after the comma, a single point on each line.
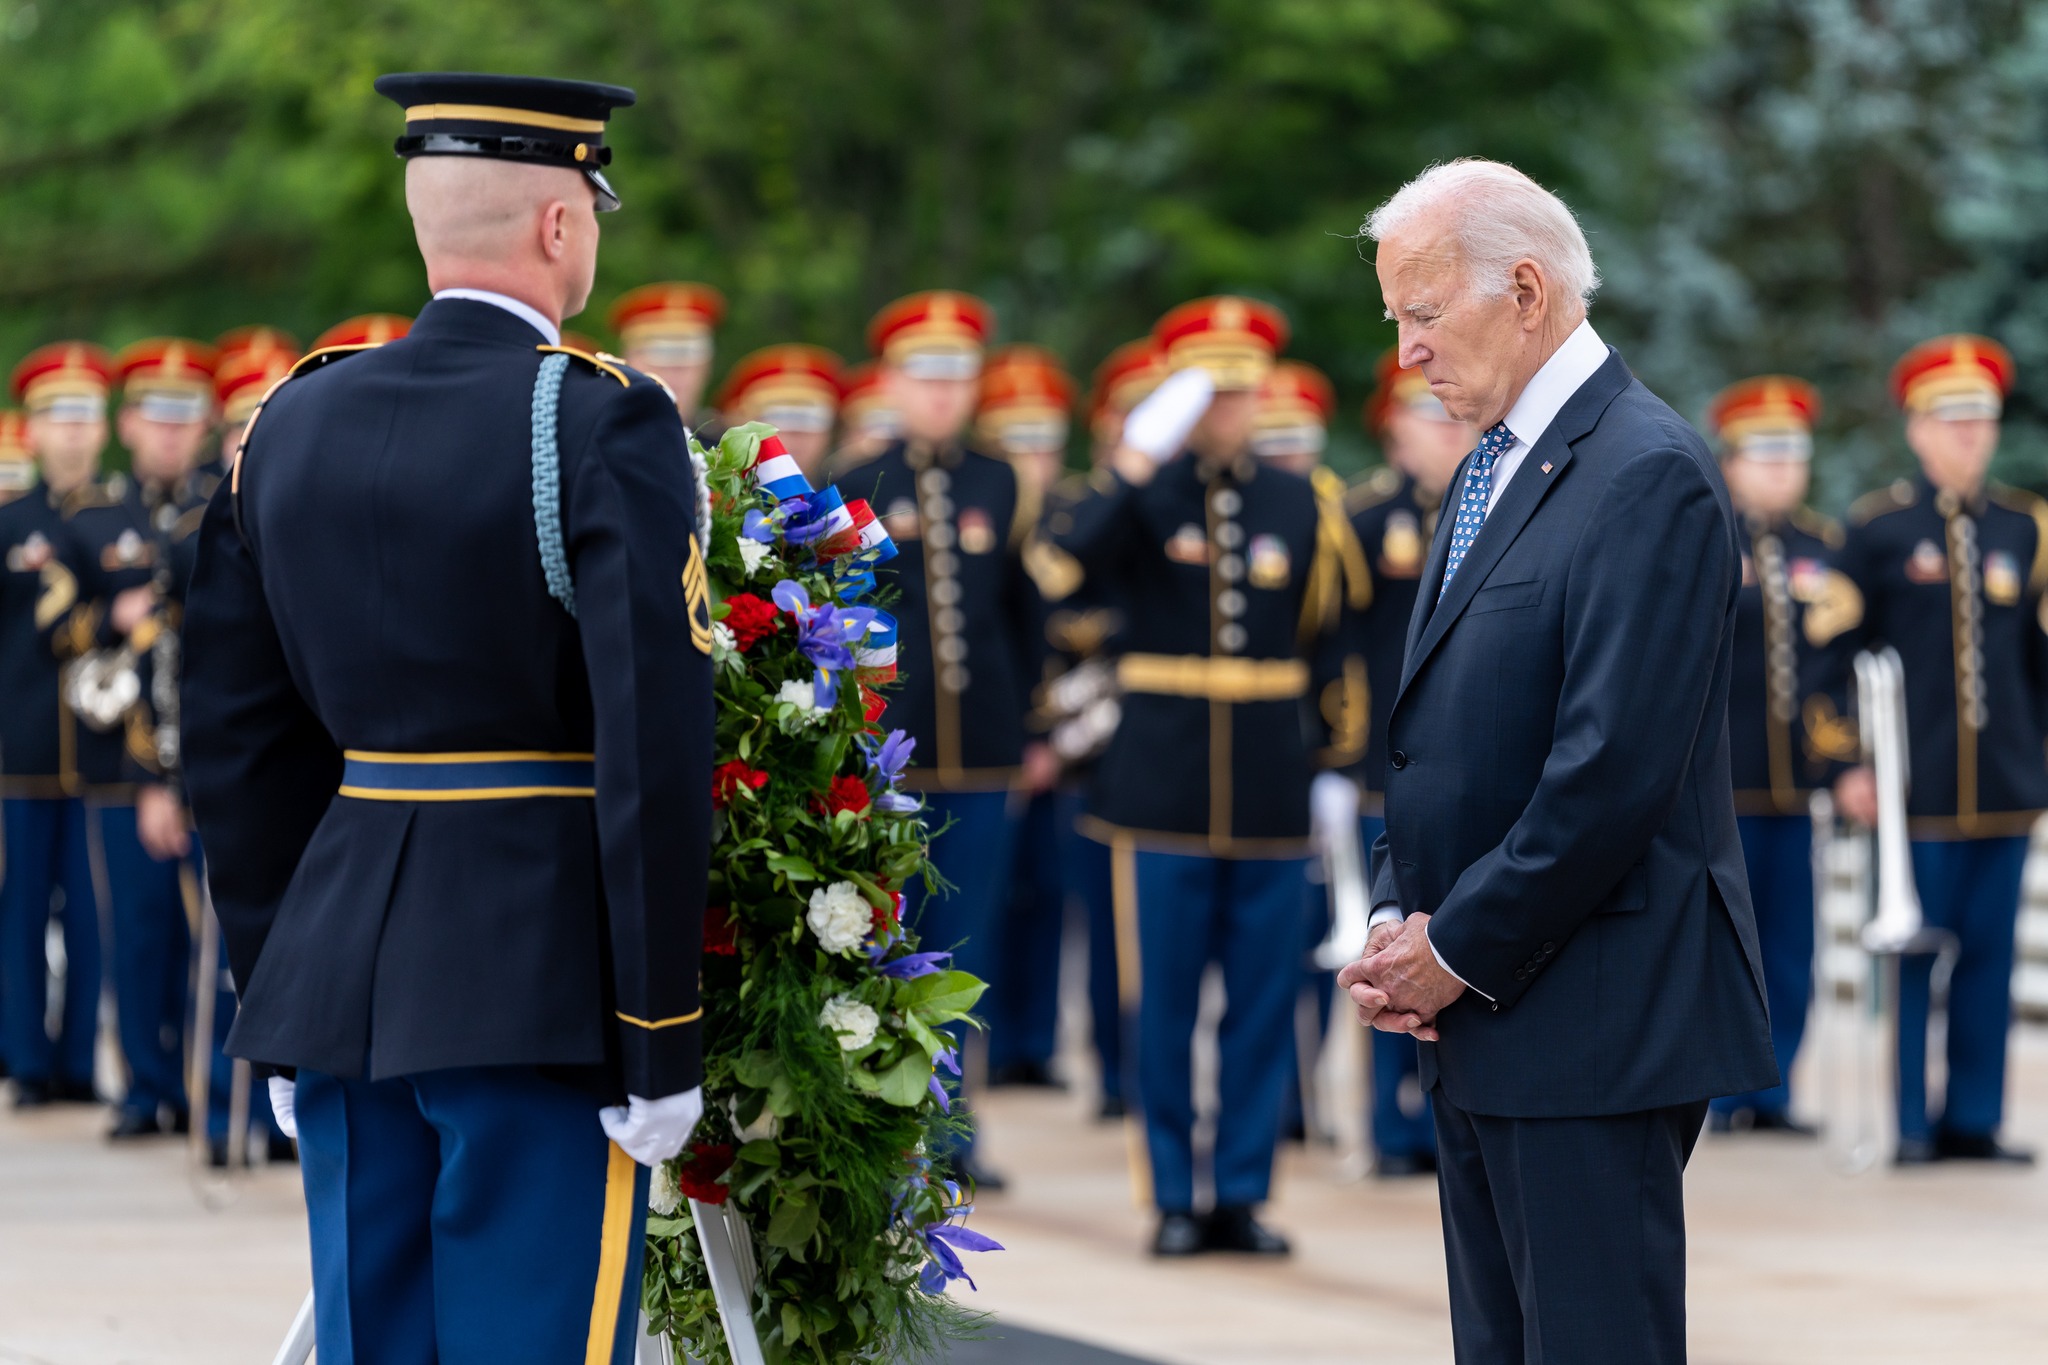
[876, 653]
[778, 473]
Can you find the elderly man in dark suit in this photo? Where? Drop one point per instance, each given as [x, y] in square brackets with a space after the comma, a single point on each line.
[1562, 916]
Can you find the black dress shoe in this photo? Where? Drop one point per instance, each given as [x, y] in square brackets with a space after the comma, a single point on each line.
[1111, 1108]
[281, 1149]
[1779, 1121]
[74, 1092]
[1033, 1075]
[1232, 1228]
[1980, 1147]
[31, 1094]
[133, 1123]
[1401, 1166]
[1180, 1234]
[1915, 1152]
[979, 1177]
[1722, 1120]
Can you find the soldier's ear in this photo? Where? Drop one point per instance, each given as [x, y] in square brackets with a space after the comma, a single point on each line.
[554, 229]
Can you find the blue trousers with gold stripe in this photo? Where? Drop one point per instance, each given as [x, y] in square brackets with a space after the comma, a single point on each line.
[1777, 851]
[151, 961]
[1970, 887]
[1245, 914]
[1027, 990]
[468, 1217]
[46, 851]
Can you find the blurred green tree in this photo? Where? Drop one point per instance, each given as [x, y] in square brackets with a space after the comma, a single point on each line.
[190, 165]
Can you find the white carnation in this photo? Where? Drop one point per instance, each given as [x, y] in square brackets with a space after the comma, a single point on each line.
[723, 638]
[664, 1193]
[752, 554]
[800, 693]
[854, 1022]
[840, 916]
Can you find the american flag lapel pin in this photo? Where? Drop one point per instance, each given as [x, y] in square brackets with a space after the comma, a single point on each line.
[1546, 466]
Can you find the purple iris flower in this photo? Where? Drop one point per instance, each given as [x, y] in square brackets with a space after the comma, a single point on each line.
[945, 1241]
[911, 966]
[949, 1059]
[825, 634]
[896, 802]
[799, 528]
[890, 756]
[761, 526]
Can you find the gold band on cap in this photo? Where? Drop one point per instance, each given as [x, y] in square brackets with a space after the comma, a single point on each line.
[494, 113]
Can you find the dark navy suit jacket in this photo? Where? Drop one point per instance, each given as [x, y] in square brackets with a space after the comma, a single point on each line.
[1558, 794]
[372, 581]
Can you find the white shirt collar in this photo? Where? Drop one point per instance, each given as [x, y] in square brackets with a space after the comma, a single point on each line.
[1567, 370]
[530, 314]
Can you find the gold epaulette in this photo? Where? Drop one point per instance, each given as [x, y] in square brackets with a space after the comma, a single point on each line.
[1893, 497]
[1338, 574]
[1826, 530]
[2019, 500]
[1372, 490]
[604, 364]
[311, 361]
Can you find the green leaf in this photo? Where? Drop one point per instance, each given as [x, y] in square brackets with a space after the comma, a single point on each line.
[667, 1227]
[904, 1084]
[759, 1069]
[793, 867]
[795, 1219]
[941, 997]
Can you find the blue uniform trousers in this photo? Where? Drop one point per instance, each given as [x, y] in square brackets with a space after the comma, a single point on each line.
[1087, 873]
[974, 854]
[1970, 887]
[468, 1217]
[47, 852]
[1245, 914]
[1024, 1023]
[1778, 852]
[220, 1070]
[151, 959]
[1402, 1125]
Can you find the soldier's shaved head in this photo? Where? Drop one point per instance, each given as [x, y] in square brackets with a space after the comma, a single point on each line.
[515, 228]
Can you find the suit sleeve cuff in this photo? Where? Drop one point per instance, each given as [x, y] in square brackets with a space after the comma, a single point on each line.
[1452, 970]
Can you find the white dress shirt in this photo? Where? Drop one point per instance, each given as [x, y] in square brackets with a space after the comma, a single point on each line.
[1545, 395]
[526, 312]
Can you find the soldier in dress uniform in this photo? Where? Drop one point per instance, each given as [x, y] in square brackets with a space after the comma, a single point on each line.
[795, 389]
[448, 739]
[365, 329]
[1785, 735]
[665, 330]
[868, 421]
[1951, 571]
[1232, 574]
[1022, 416]
[17, 461]
[63, 389]
[1292, 425]
[968, 653]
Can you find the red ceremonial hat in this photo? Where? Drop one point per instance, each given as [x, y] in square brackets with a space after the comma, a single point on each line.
[794, 387]
[257, 340]
[17, 465]
[1956, 376]
[668, 323]
[864, 407]
[251, 360]
[937, 334]
[1396, 387]
[1233, 338]
[370, 329]
[1025, 399]
[1766, 403]
[68, 379]
[1126, 375]
[1295, 393]
[169, 378]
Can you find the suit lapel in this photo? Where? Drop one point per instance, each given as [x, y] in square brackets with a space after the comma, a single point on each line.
[1525, 492]
[1439, 555]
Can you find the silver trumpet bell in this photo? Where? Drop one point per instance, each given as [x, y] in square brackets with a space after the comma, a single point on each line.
[1898, 925]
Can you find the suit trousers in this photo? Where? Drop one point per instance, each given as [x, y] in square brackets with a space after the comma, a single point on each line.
[1777, 851]
[1970, 887]
[1245, 914]
[46, 851]
[468, 1217]
[1565, 1237]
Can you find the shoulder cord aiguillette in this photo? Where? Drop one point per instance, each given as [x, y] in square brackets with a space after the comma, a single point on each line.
[547, 482]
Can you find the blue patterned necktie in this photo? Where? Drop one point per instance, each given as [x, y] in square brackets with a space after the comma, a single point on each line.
[1478, 490]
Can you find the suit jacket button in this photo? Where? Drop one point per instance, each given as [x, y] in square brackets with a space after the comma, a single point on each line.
[1521, 974]
[1550, 947]
[1398, 759]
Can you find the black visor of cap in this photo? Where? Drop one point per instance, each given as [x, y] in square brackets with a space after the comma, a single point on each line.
[509, 118]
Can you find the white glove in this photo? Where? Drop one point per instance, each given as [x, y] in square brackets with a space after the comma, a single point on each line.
[652, 1131]
[1332, 803]
[284, 1102]
[1158, 427]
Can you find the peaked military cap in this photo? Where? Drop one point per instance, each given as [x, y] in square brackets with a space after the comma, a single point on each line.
[510, 118]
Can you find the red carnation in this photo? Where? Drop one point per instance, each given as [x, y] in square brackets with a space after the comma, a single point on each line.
[697, 1174]
[730, 779]
[887, 920]
[749, 618]
[721, 932]
[846, 793]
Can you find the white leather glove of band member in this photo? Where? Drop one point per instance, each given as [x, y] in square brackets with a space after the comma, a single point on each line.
[652, 1131]
[1158, 426]
[1332, 805]
[284, 1102]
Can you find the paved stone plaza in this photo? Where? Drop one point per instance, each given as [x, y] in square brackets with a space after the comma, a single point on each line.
[109, 1257]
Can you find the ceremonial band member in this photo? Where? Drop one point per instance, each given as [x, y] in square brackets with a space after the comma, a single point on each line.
[793, 388]
[1394, 515]
[1292, 425]
[967, 651]
[63, 389]
[1578, 953]
[1230, 574]
[665, 330]
[1952, 571]
[1785, 736]
[17, 461]
[449, 743]
[868, 420]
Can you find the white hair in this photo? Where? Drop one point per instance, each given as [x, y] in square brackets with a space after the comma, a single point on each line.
[1499, 216]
